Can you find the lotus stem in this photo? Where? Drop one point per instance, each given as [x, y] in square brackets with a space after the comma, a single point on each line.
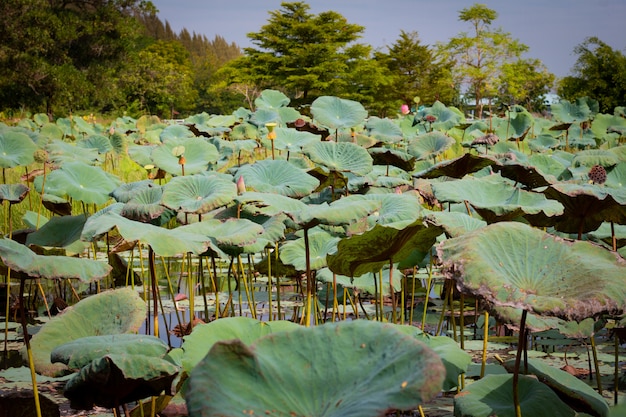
[152, 269]
[381, 295]
[520, 346]
[6, 319]
[462, 321]
[421, 411]
[594, 351]
[335, 301]
[309, 281]
[244, 278]
[616, 377]
[428, 284]
[43, 297]
[29, 352]
[171, 290]
[392, 293]
[483, 362]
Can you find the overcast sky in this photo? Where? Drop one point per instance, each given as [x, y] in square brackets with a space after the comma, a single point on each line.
[550, 28]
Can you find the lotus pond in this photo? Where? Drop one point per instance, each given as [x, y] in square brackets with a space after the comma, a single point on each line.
[271, 262]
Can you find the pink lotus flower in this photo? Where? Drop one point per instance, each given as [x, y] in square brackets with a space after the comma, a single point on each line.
[404, 109]
[241, 186]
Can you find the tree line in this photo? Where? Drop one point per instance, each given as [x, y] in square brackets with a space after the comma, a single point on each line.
[118, 57]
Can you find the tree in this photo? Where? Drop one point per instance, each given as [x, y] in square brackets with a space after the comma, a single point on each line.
[417, 71]
[479, 55]
[160, 80]
[599, 73]
[525, 82]
[61, 53]
[301, 53]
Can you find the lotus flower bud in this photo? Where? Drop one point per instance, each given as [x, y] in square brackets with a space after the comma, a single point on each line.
[241, 185]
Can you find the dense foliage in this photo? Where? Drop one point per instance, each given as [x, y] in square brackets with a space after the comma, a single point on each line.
[117, 57]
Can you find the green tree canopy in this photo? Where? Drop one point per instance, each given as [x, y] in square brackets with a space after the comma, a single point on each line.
[599, 72]
[525, 82]
[480, 55]
[301, 53]
[417, 70]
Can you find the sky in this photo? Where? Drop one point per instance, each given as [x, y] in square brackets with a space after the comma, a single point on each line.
[550, 28]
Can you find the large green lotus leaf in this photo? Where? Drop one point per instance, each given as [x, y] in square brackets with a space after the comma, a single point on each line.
[141, 154]
[80, 352]
[385, 156]
[543, 143]
[567, 112]
[606, 126]
[51, 132]
[606, 233]
[198, 194]
[82, 182]
[204, 336]
[13, 193]
[519, 123]
[321, 243]
[446, 117]
[60, 153]
[269, 204]
[100, 143]
[576, 393]
[396, 210]
[20, 258]
[580, 138]
[454, 224]
[227, 234]
[530, 173]
[292, 140]
[430, 145]
[384, 130]
[337, 113]
[145, 206]
[351, 369]
[118, 379]
[381, 177]
[537, 323]
[128, 190]
[164, 242]
[616, 177]
[591, 157]
[495, 200]
[457, 167]
[60, 232]
[198, 155]
[586, 207]
[540, 273]
[110, 312]
[493, 396]
[174, 132]
[370, 251]
[16, 149]
[455, 359]
[263, 116]
[340, 212]
[341, 157]
[278, 176]
[271, 99]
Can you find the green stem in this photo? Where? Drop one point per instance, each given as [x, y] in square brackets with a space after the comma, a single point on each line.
[520, 347]
[29, 352]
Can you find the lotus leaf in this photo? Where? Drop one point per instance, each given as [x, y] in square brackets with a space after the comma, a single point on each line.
[540, 273]
[80, 352]
[321, 243]
[60, 232]
[13, 193]
[271, 99]
[453, 357]
[230, 235]
[340, 212]
[60, 153]
[349, 369]
[341, 157]
[446, 117]
[173, 132]
[368, 282]
[269, 204]
[198, 194]
[204, 336]
[145, 206]
[100, 143]
[429, 145]
[457, 167]
[278, 176]
[454, 224]
[591, 157]
[126, 191]
[16, 149]
[396, 210]
[576, 393]
[371, 250]
[20, 258]
[384, 130]
[198, 155]
[337, 113]
[82, 182]
[164, 242]
[493, 396]
[293, 140]
[494, 199]
[110, 312]
[567, 112]
[616, 177]
[117, 379]
[385, 156]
